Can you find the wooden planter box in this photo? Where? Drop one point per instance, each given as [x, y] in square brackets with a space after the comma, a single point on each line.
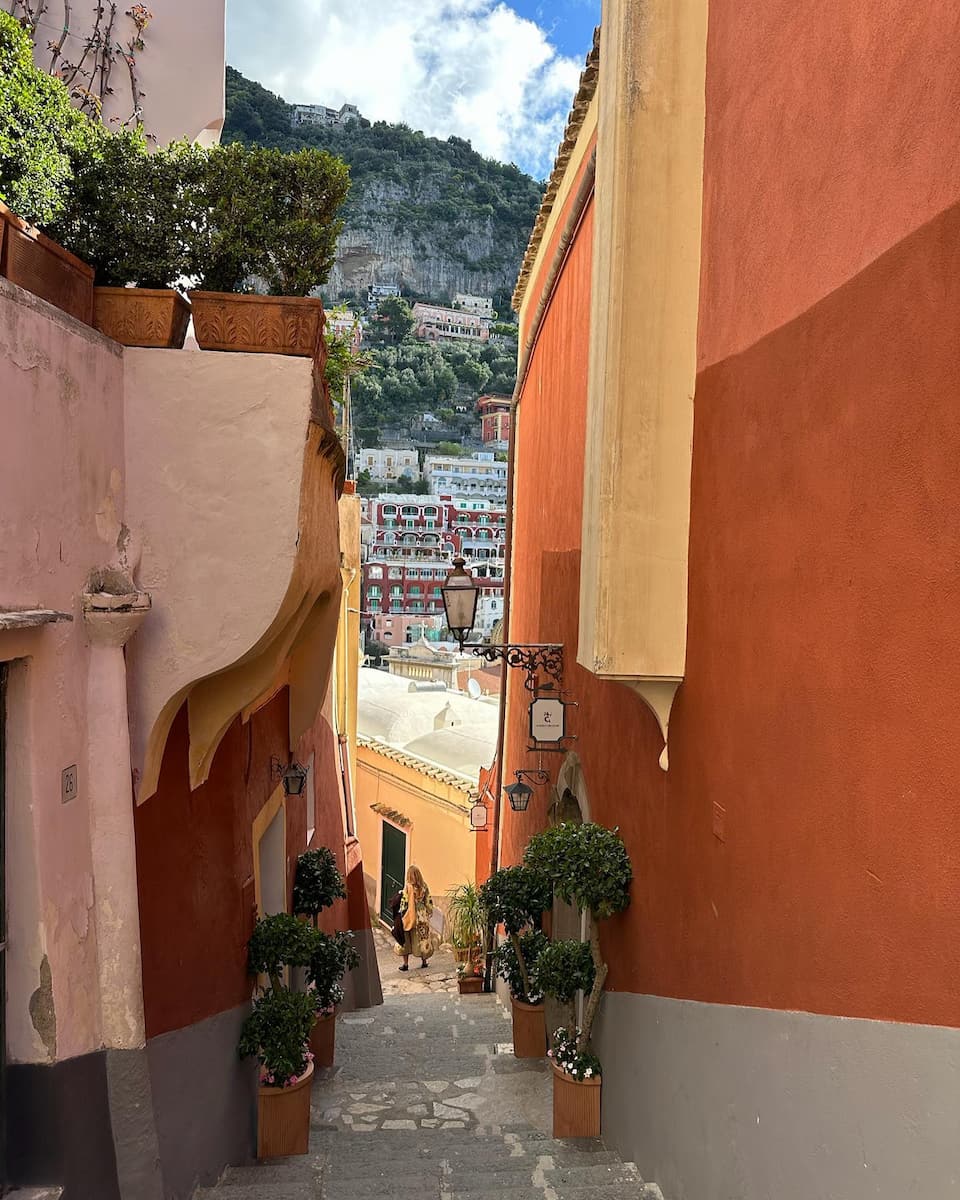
[323, 1039]
[529, 1030]
[283, 1119]
[154, 317]
[576, 1106]
[259, 324]
[470, 985]
[36, 263]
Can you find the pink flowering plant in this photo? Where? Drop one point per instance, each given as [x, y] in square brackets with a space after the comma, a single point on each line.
[565, 1053]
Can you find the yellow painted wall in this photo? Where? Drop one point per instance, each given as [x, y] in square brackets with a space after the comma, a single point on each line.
[439, 840]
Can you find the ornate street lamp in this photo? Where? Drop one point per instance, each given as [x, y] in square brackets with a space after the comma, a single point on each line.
[292, 776]
[460, 601]
[518, 794]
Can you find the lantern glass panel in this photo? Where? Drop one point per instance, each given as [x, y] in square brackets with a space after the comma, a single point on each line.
[460, 600]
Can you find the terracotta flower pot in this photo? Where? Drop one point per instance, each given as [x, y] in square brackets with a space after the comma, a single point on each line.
[529, 1030]
[258, 324]
[576, 1106]
[470, 985]
[323, 1039]
[283, 1118]
[156, 317]
[36, 263]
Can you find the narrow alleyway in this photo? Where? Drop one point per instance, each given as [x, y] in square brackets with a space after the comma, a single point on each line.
[427, 1101]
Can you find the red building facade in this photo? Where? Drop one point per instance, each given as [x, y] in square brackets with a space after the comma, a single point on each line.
[494, 418]
[782, 1016]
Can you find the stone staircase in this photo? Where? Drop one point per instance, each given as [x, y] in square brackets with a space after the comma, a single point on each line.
[427, 1103]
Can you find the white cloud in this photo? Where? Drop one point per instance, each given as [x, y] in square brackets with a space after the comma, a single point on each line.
[473, 68]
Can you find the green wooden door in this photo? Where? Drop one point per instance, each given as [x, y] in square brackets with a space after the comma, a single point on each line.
[393, 866]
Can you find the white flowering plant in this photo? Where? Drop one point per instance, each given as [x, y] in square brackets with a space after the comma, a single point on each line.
[572, 1061]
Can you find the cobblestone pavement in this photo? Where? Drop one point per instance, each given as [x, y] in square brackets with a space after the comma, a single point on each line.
[440, 974]
[427, 1101]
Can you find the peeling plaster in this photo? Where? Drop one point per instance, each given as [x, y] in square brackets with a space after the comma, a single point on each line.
[42, 1011]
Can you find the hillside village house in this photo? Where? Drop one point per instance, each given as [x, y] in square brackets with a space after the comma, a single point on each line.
[736, 507]
[495, 421]
[173, 636]
[389, 465]
[481, 306]
[479, 474]
[438, 324]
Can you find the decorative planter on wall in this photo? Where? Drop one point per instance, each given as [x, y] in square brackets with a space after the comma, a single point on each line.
[258, 324]
[470, 985]
[576, 1106]
[36, 263]
[154, 317]
[529, 1030]
[323, 1040]
[283, 1118]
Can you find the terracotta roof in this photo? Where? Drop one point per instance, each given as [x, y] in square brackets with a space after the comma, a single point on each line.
[584, 96]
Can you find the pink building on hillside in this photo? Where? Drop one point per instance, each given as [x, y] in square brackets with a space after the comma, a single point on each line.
[437, 324]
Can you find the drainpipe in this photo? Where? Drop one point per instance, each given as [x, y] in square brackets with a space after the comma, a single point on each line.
[111, 619]
[568, 232]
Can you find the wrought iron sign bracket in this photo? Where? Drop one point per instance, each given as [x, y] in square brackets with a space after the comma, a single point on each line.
[537, 776]
[535, 659]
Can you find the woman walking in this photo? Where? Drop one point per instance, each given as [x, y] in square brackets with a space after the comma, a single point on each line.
[416, 908]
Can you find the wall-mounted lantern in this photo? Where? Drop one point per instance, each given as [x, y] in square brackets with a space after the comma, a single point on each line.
[460, 601]
[478, 816]
[292, 776]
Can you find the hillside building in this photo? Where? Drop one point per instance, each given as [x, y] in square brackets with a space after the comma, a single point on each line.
[318, 114]
[482, 474]
[495, 421]
[433, 527]
[389, 465]
[377, 292]
[435, 323]
[480, 306]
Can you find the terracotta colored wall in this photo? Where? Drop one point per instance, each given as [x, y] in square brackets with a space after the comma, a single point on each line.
[830, 136]
[823, 675]
[195, 863]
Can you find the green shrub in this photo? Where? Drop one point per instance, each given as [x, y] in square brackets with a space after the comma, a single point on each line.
[317, 882]
[41, 133]
[517, 897]
[565, 968]
[267, 215]
[276, 1032]
[333, 955]
[533, 943]
[280, 941]
[467, 917]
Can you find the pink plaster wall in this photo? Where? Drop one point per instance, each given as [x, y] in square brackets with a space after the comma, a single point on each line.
[61, 459]
[180, 70]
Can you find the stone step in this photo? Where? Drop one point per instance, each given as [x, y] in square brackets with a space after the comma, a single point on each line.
[275, 1191]
[624, 1191]
[556, 1178]
[470, 1159]
[302, 1169]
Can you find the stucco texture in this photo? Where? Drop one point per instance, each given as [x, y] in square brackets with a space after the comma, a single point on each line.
[822, 675]
[61, 506]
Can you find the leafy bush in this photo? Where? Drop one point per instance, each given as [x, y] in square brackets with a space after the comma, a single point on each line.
[566, 1053]
[280, 941]
[276, 1032]
[565, 968]
[588, 864]
[268, 215]
[333, 955]
[41, 133]
[517, 897]
[467, 917]
[317, 882]
[533, 943]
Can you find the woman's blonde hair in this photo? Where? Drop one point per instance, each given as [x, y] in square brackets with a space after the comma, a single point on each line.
[415, 879]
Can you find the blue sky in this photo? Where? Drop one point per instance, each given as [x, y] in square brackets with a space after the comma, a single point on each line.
[500, 74]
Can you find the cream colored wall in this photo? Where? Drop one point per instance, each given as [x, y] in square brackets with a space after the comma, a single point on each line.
[439, 840]
[233, 513]
[645, 295]
[348, 633]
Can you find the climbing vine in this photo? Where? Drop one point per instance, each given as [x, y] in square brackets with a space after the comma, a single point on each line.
[88, 71]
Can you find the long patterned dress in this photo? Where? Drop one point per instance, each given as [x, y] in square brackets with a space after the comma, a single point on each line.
[416, 923]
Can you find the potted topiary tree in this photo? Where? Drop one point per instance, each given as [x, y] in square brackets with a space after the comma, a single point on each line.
[276, 1032]
[130, 214]
[589, 867]
[526, 995]
[271, 217]
[317, 883]
[467, 921]
[516, 897]
[333, 955]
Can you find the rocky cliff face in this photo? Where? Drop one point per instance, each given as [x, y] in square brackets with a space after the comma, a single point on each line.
[385, 242]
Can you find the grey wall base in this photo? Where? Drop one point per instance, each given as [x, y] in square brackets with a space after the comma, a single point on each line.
[361, 987]
[204, 1100]
[717, 1102]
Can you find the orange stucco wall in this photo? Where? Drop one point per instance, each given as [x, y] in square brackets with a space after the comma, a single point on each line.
[830, 135]
[802, 851]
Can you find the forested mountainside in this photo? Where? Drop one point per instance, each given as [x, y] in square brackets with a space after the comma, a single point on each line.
[434, 216]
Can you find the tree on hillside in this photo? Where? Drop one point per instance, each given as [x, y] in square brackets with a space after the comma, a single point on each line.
[395, 318]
